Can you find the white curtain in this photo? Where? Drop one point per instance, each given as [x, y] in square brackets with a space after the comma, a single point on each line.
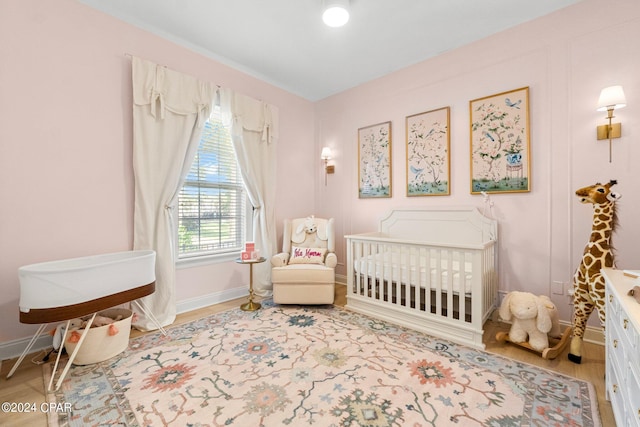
[254, 131]
[169, 111]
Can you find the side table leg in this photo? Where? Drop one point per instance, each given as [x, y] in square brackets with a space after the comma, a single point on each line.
[250, 306]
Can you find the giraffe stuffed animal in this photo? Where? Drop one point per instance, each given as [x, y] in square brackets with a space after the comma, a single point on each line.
[588, 283]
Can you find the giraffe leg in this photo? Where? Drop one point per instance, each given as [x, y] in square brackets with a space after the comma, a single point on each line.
[597, 294]
[575, 350]
[583, 307]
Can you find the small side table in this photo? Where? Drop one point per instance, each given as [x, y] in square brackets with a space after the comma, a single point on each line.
[251, 305]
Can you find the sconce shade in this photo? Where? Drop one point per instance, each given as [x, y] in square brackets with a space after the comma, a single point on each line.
[335, 12]
[611, 98]
[326, 155]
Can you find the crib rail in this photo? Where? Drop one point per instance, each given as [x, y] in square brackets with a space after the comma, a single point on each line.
[451, 290]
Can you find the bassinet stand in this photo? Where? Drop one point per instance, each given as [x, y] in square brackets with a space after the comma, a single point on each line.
[45, 316]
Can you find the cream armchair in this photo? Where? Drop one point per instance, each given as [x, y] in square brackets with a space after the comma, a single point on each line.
[304, 272]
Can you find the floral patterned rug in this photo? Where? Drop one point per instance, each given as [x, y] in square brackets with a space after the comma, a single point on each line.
[320, 366]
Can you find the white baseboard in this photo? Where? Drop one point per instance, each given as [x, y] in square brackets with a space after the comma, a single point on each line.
[592, 334]
[191, 304]
[14, 348]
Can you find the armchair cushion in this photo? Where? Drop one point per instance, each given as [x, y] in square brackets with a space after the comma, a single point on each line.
[307, 255]
[298, 275]
[279, 260]
[331, 260]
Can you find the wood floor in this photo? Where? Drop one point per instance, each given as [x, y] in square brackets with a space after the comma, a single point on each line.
[26, 385]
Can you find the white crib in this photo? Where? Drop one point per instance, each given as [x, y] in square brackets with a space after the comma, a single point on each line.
[433, 270]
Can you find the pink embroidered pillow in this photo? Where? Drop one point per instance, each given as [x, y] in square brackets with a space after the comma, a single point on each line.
[307, 255]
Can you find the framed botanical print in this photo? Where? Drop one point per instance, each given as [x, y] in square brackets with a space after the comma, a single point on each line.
[500, 154]
[428, 161]
[374, 161]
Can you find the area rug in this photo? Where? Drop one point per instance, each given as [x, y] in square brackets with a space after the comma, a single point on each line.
[322, 366]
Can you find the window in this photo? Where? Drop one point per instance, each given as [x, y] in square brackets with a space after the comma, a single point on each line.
[212, 201]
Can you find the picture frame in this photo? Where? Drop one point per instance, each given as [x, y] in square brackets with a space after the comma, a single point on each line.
[374, 161]
[500, 143]
[428, 144]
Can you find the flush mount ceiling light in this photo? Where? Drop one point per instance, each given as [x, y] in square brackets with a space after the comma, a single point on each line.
[335, 12]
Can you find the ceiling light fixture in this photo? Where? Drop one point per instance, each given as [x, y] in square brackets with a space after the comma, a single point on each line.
[335, 12]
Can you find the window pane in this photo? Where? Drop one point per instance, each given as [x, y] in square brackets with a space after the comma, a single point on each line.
[211, 207]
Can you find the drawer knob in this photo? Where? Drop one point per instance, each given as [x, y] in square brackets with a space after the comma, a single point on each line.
[615, 388]
[610, 298]
[625, 322]
[615, 343]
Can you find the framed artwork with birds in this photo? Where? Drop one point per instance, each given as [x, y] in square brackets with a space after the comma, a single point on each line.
[374, 161]
[428, 161]
[500, 153]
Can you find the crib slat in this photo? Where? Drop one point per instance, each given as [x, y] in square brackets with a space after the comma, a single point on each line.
[425, 281]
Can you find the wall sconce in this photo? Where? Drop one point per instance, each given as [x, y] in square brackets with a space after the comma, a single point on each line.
[326, 156]
[335, 13]
[611, 98]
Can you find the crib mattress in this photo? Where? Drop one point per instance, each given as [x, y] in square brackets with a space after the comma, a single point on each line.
[410, 269]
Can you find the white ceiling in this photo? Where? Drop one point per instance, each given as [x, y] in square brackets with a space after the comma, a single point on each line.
[285, 43]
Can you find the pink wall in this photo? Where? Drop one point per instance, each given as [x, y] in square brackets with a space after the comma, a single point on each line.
[66, 183]
[66, 180]
[566, 59]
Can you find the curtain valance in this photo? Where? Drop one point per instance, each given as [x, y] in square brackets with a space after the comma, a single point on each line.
[250, 114]
[162, 88]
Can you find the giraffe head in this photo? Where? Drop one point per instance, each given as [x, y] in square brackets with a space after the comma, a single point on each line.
[598, 194]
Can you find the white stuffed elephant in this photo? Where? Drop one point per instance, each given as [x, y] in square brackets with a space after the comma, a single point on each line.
[534, 317]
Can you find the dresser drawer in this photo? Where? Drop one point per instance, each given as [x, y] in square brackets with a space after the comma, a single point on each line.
[622, 349]
[632, 380]
[628, 331]
[613, 306]
[615, 346]
[616, 396]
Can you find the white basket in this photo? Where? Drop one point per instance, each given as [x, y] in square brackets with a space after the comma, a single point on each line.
[98, 345]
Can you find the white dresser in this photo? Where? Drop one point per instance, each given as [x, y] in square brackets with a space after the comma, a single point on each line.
[622, 348]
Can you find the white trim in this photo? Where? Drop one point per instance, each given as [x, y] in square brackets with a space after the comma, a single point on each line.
[196, 303]
[592, 334]
[198, 261]
[13, 349]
